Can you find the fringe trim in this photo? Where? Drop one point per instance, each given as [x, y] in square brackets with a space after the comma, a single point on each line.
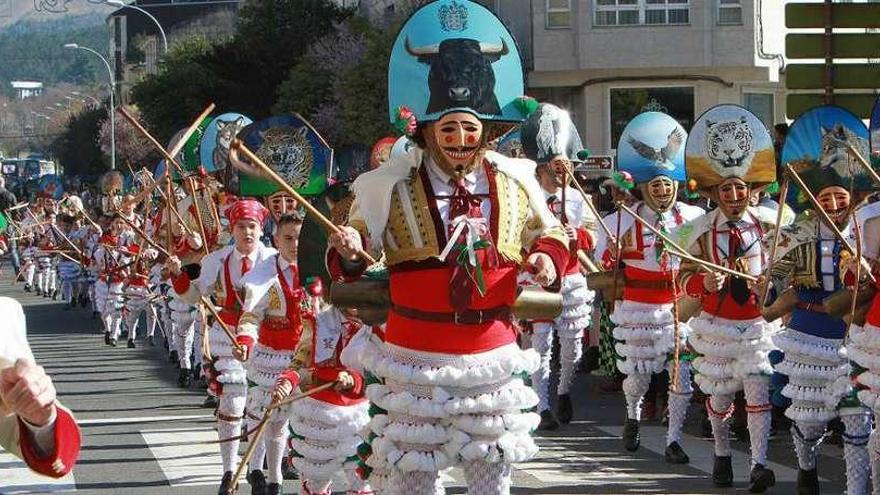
[496, 425]
[811, 347]
[634, 314]
[722, 330]
[515, 396]
[342, 450]
[643, 367]
[432, 369]
[330, 414]
[510, 448]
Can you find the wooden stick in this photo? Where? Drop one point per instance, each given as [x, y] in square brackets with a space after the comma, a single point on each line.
[67, 239]
[783, 192]
[855, 295]
[176, 213]
[825, 218]
[210, 306]
[681, 253]
[195, 202]
[330, 226]
[147, 238]
[589, 204]
[303, 395]
[864, 163]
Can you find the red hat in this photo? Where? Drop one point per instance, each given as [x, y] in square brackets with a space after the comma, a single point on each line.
[246, 209]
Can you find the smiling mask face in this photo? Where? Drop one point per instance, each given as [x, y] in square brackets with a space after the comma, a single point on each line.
[732, 196]
[836, 202]
[454, 142]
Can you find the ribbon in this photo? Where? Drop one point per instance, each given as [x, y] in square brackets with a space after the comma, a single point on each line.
[473, 230]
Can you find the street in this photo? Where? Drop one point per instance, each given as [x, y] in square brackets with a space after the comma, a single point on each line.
[142, 434]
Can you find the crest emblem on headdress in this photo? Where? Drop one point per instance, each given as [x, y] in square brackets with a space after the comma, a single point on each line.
[453, 17]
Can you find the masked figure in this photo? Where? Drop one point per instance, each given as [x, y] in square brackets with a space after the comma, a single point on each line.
[645, 329]
[456, 223]
[730, 155]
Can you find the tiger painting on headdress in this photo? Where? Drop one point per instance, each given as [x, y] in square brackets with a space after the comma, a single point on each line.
[289, 152]
[729, 143]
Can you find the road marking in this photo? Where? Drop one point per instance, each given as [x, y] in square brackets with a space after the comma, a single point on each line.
[18, 479]
[146, 419]
[702, 453]
[182, 459]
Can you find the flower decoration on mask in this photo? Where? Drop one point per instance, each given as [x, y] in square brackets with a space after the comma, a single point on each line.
[405, 121]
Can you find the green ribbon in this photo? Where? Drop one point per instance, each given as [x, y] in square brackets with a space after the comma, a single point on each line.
[463, 260]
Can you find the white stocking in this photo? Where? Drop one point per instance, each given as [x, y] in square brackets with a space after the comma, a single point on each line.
[542, 343]
[857, 423]
[807, 437]
[634, 389]
[413, 483]
[487, 478]
[759, 410]
[274, 441]
[570, 353]
[719, 408]
[874, 454]
[679, 400]
[232, 403]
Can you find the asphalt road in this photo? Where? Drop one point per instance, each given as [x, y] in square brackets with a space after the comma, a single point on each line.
[141, 432]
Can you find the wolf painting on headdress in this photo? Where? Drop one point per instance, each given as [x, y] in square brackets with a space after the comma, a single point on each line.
[836, 141]
[226, 132]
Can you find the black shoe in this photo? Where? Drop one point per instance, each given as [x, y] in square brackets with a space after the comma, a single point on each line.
[761, 479]
[273, 489]
[722, 472]
[184, 379]
[27, 287]
[548, 422]
[55, 295]
[174, 358]
[197, 371]
[151, 341]
[564, 410]
[287, 470]
[676, 455]
[131, 344]
[631, 439]
[257, 480]
[112, 342]
[808, 482]
[107, 338]
[211, 403]
[226, 484]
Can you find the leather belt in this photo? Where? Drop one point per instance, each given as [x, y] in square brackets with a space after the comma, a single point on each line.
[649, 284]
[814, 307]
[469, 317]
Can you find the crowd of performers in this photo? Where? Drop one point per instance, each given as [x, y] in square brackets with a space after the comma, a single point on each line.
[435, 360]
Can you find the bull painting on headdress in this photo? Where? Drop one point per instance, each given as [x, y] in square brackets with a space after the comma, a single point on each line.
[461, 73]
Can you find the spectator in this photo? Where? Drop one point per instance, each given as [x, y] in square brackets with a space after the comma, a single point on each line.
[33, 426]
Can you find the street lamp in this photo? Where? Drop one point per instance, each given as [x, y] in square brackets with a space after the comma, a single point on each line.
[112, 112]
[120, 4]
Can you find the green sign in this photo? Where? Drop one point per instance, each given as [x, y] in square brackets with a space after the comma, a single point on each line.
[846, 76]
[844, 15]
[848, 45]
[859, 104]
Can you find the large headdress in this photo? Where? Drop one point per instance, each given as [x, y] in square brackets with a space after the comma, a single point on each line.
[454, 55]
[188, 157]
[548, 132]
[817, 148]
[652, 144]
[292, 148]
[51, 186]
[218, 136]
[729, 141]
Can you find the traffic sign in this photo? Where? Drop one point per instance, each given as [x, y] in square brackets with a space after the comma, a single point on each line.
[843, 15]
[845, 45]
[846, 76]
[859, 104]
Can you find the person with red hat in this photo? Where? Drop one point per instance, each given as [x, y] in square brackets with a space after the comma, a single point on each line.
[277, 311]
[220, 276]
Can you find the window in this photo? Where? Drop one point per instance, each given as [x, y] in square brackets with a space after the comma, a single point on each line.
[626, 103]
[635, 12]
[760, 104]
[558, 14]
[730, 12]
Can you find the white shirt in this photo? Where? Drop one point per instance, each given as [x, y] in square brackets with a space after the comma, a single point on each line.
[476, 182]
[751, 243]
[827, 240]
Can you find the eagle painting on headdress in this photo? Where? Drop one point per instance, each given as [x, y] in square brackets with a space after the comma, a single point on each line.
[661, 156]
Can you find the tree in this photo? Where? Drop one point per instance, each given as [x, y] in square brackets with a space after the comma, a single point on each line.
[132, 148]
[77, 147]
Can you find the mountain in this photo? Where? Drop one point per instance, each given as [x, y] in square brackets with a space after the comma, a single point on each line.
[33, 49]
[15, 11]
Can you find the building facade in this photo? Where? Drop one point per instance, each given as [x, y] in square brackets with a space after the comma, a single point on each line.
[608, 60]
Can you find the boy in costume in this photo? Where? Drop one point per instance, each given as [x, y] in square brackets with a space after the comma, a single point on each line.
[110, 257]
[453, 221]
[220, 277]
[644, 318]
